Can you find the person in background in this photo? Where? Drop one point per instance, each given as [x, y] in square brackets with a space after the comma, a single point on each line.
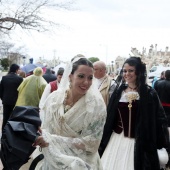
[104, 81]
[111, 74]
[22, 74]
[154, 80]
[31, 89]
[8, 91]
[162, 77]
[74, 119]
[163, 90]
[136, 130]
[52, 86]
[49, 76]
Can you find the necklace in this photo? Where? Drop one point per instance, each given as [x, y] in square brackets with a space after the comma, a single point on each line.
[132, 88]
[70, 105]
[66, 106]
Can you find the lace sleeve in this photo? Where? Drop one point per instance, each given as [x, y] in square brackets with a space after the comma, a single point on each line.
[94, 130]
[63, 150]
[73, 137]
[89, 138]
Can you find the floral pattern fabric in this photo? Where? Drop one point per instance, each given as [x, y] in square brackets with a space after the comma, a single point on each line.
[74, 136]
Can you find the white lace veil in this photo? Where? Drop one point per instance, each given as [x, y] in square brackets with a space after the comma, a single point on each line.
[56, 99]
[65, 81]
[90, 113]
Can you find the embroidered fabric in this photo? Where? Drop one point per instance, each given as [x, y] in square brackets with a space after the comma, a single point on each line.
[162, 153]
[124, 96]
[74, 136]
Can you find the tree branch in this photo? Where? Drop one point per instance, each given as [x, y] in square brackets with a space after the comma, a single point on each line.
[29, 15]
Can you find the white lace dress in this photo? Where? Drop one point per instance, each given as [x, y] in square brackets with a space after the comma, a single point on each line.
[119, 153]
[74, 136]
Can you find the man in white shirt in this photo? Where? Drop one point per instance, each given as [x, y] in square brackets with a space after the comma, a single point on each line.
[104, 81]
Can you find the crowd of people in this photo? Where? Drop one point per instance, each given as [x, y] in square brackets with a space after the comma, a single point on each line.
[91, 120]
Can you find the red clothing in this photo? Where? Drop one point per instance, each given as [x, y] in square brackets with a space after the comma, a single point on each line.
[123, 119]
[53, 85]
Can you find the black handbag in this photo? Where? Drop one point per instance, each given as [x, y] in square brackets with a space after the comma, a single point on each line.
[18, 135]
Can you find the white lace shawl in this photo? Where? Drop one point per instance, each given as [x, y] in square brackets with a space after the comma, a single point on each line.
[73, 137]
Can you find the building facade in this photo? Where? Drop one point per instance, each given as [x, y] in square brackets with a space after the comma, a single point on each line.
[151, 58]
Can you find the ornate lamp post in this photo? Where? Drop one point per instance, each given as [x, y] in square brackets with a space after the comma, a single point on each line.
[112, 66]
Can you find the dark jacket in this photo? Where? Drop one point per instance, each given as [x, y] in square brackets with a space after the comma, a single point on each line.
[8, 88]
[156, 82]
[49, 76]
[151, 131]
[163, 89]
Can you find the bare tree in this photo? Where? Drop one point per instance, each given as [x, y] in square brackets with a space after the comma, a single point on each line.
[5, 48]
[15, 57]
[9, 51]
[29, 14]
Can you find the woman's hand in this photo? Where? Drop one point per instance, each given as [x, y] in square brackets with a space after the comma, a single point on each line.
[41, 142]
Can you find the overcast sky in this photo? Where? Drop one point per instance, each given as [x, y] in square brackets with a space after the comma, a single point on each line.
[104, 29]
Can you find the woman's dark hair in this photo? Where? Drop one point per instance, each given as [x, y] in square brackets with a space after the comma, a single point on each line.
[167, 74]
[48, 71]
[81, 61]
[60, 71]
[140, 70]
[13, 68]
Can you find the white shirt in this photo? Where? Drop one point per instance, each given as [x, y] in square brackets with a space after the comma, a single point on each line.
[99, 82]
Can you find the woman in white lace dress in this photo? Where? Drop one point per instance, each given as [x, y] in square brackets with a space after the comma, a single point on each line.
[136, 125]
[73, 122]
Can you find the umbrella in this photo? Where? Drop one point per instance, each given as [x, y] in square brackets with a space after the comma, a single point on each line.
[18, 136]
[42, 66]
[29, 68]
[39, 65]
